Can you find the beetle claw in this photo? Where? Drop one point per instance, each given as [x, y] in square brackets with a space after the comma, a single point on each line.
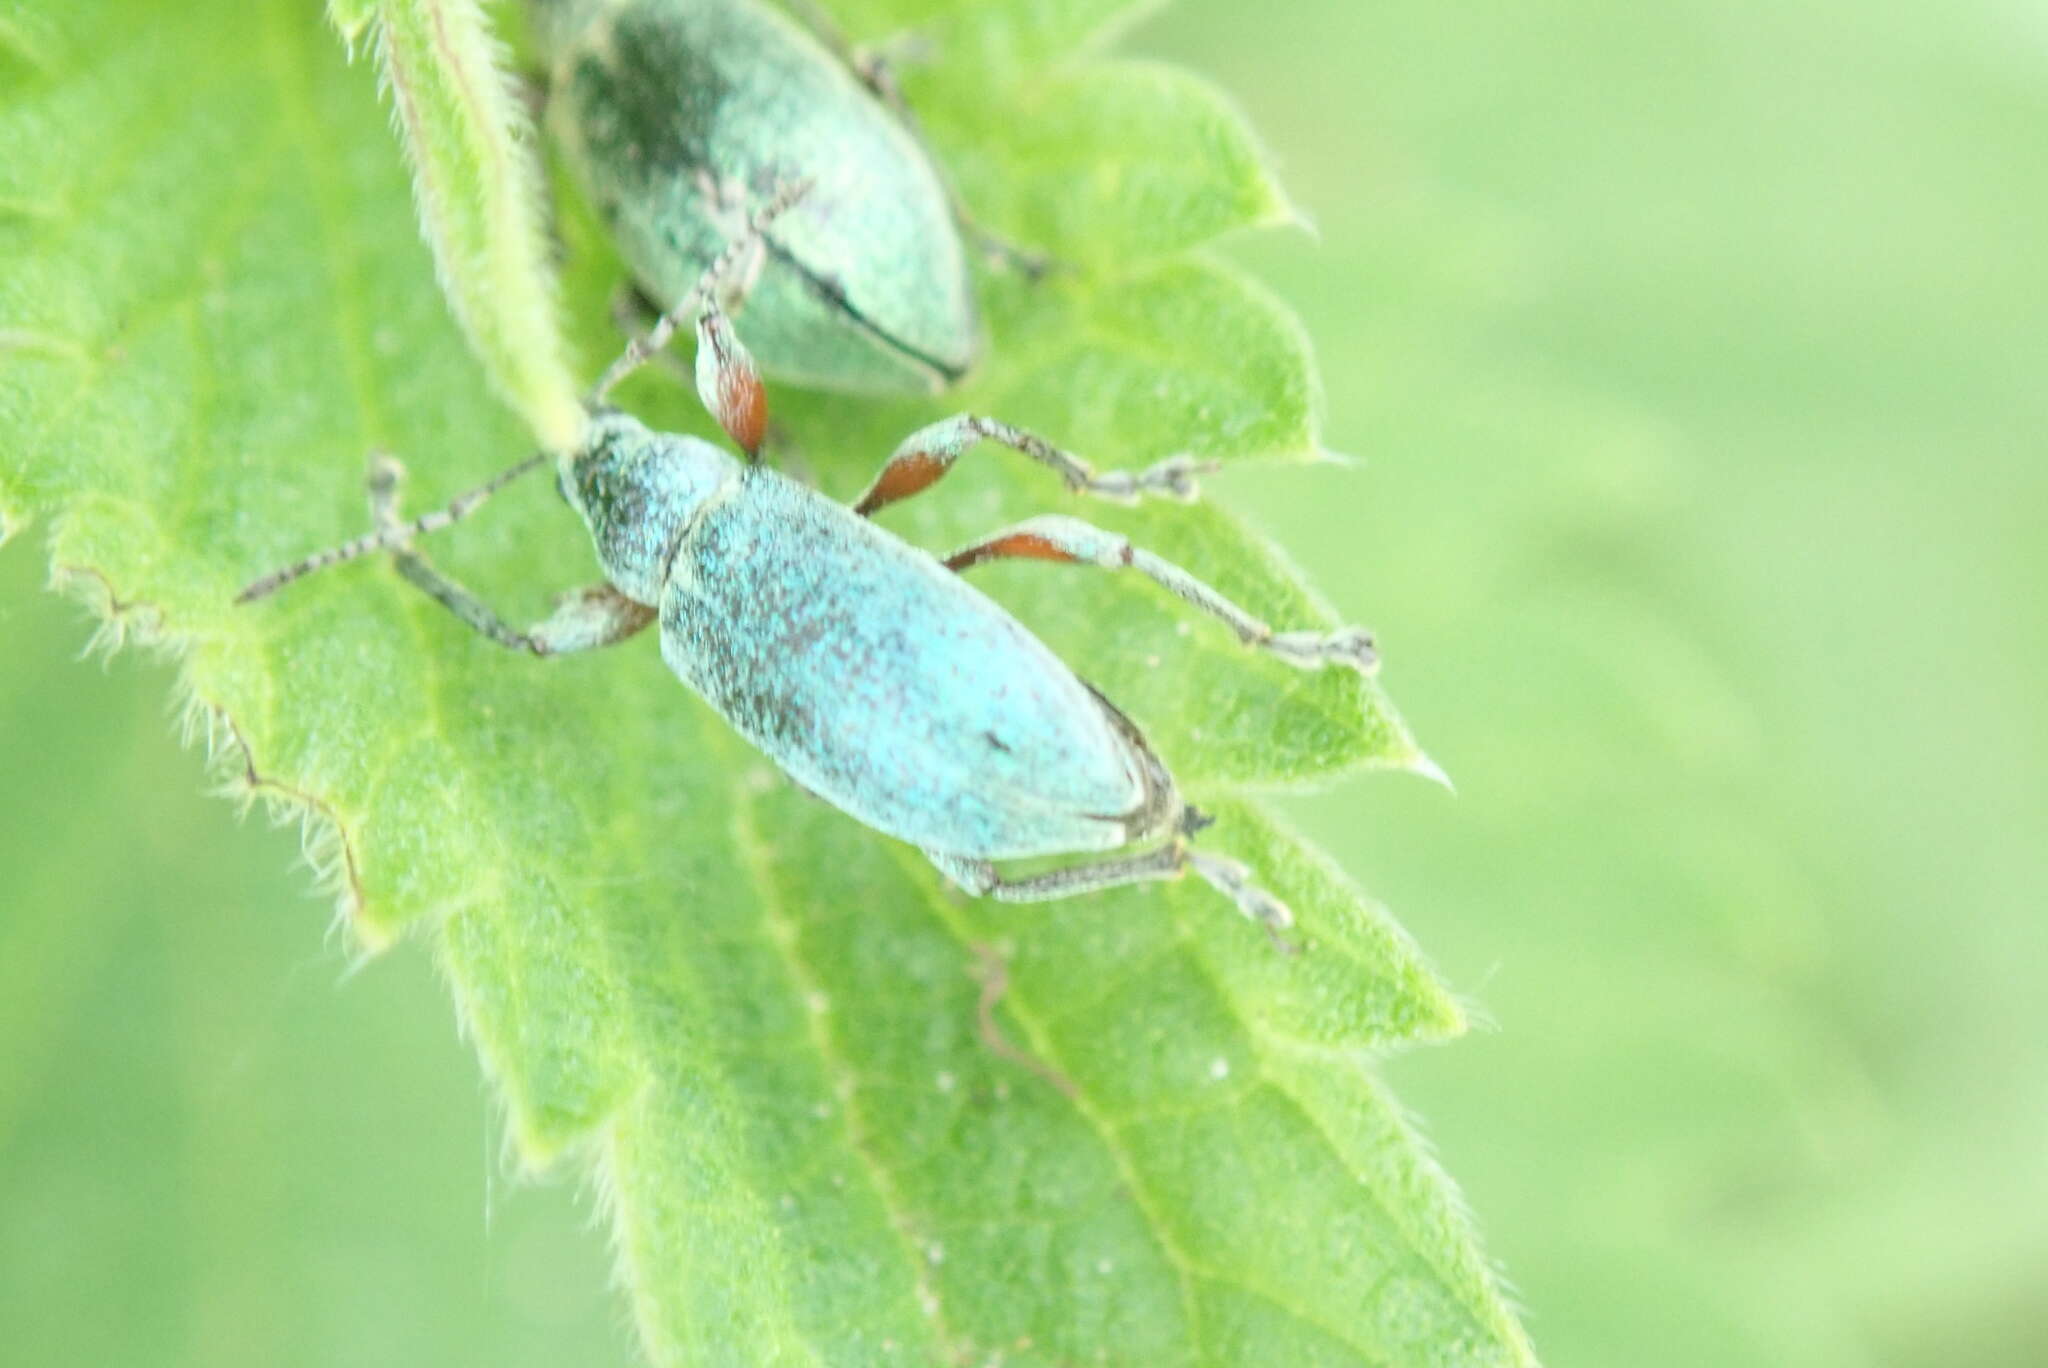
[1172, 478]
[1175, 477]
[1352, 646]
[1234, 881]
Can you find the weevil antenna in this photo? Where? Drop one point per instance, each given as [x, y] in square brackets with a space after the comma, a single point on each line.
[641, 348]
[390, 536]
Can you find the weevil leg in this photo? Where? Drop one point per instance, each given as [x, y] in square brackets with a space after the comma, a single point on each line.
[980, 878]
[583, 618]
[927, 454]
[877, 73]
[737, 261]
[386, 475]
[1170, 861]
[998, 251]
[633, 313]
[477, 615]
[1233, 879]
[726, 282]
[588, 618]
[1054, 537]
[728, 381]
[823, 27]
[724, 375]
[390, 533]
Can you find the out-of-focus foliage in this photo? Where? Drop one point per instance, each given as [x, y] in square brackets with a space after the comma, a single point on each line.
[217, 1144]
[1694, 351]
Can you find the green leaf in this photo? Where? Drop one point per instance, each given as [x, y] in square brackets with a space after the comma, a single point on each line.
[1111, 163]
[836, 1113]
[473, 181]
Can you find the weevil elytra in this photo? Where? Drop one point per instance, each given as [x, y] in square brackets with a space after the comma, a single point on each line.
[869, 670]
[677, 116]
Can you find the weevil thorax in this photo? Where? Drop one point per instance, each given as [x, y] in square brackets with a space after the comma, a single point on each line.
[639, 491]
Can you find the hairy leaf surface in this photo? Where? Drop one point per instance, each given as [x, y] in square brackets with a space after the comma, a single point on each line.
[837, 1113]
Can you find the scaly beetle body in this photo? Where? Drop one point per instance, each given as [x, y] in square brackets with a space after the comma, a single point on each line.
[876, 677]
[866, 668]
[678, 116]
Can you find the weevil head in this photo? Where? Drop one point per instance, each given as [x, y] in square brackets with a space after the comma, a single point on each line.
[638, 491]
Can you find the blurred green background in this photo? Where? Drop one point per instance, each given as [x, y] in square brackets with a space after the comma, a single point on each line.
[1693, 351]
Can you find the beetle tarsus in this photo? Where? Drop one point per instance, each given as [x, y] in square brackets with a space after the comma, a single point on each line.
[1003, 255]
[1172, 478]
[1233, 880]
[1352, 646]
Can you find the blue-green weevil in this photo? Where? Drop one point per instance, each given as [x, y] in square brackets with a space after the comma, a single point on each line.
[677, 117]
[870, 671]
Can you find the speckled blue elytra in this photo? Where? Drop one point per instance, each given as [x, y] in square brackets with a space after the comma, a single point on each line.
[675, 116]
[869, 670]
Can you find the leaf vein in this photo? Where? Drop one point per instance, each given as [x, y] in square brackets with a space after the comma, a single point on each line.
[784, 934]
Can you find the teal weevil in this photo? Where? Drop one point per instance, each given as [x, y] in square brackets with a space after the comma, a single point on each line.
[674, 115]
[870, 671]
